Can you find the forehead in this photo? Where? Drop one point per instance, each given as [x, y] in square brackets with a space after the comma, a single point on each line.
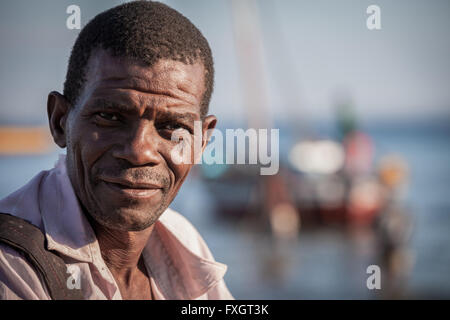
[171, 83]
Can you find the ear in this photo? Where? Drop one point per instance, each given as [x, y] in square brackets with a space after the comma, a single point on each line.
[209, 123]
[57, 110]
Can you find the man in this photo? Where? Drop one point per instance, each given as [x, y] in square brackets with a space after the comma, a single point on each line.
[137, 74]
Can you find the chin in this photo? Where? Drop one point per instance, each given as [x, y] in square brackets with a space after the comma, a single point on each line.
[128, 219]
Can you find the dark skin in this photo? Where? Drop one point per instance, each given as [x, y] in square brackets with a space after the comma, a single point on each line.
[119, 161]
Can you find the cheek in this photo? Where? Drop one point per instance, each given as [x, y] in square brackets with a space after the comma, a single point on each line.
[181, 172]
[94, 145]
[89, 147]
[85, 147]
[177, 171]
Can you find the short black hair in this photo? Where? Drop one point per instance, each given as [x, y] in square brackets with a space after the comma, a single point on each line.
[144, 30]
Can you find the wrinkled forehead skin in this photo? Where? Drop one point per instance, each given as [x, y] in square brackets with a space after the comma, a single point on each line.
[180, 82]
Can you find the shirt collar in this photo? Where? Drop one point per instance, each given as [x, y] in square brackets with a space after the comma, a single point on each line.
[190, 275]
[184, 274]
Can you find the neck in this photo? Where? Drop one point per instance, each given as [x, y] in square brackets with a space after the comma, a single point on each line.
[121, 250]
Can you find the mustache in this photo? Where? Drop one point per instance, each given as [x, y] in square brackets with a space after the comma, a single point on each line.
[142, 175]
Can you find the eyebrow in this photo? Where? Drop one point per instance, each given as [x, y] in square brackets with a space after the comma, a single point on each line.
[125, 108]
[111, 105]
[168, 115]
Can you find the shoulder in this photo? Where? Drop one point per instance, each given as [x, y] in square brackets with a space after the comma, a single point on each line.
[177, 222]
[18, 278]
[24, 202]
[199, 271]
[185, 232]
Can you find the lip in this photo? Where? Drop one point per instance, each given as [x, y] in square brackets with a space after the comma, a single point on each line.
[132, 189]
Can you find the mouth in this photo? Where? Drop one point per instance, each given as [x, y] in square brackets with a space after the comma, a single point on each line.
[132, 189]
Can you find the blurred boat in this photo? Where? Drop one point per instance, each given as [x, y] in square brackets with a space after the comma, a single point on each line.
[325, 183]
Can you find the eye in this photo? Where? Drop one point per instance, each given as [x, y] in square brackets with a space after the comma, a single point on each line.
[171, 126]
[108, 116]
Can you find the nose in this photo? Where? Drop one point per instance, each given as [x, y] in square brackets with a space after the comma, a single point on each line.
[140, 147]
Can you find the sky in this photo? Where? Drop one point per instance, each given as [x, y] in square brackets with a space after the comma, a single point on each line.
[313, 52]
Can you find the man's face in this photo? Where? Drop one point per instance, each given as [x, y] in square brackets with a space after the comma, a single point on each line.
[118, 137]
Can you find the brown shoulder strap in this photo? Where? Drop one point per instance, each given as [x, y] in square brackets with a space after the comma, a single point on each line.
[29, 239]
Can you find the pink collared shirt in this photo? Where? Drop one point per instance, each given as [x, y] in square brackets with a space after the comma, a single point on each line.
[177, 259]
